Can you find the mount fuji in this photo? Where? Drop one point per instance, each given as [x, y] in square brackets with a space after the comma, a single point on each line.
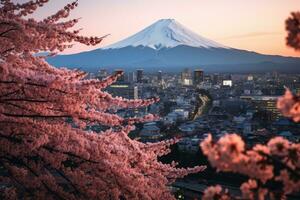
[170, 46]
[165, 33]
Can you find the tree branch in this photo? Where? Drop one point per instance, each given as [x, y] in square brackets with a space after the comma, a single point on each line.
[7, 31]
[36, 116]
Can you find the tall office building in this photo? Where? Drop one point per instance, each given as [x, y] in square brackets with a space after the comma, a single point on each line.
[267, 103]
[198, 76]
[186, 77]
[159, 76]
[131, 77]
[215, 79]
[125, 90]
[227, 80]
[139, 75]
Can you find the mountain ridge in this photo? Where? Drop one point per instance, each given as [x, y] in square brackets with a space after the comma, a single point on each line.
[142, 51]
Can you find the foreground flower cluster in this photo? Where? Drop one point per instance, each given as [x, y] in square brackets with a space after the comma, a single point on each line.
[293, 29]
[273, 169]
[46, 148]
[289, 105]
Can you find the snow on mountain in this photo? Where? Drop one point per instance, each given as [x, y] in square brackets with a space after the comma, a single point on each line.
[165, 33]
[169, 46]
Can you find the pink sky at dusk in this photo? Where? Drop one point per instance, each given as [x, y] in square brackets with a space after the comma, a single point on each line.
[255, 25]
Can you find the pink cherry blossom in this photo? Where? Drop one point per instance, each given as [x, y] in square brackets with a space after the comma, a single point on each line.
[289, 105]
[46, 147]
[215, 192]
[261, 164]
[293, 29]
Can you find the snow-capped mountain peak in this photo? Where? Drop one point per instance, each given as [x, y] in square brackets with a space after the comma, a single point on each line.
[166, 33]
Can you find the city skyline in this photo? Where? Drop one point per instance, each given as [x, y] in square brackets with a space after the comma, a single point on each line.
[250, 25]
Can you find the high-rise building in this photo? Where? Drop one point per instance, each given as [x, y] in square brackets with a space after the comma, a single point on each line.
[250, 78]
[122, 77]
[131, 77]
[267, 103]
[227, 80]
[125, 90]
[227, 83]
[186, 77]
[139, 75]
[159, 76]
[215, 79]
[198, 76]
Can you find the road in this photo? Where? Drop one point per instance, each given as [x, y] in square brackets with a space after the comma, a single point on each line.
[203, 100]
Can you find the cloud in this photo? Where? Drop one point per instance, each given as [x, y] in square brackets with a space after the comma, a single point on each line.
[253, 34]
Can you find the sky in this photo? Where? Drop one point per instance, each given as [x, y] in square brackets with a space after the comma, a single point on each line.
[255, 25]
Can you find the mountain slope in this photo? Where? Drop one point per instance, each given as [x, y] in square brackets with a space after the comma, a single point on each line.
[168, 45]
[165, 33]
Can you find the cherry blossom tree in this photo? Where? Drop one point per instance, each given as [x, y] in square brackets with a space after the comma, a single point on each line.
[289, 104]
[273, 169]
[293, 29]
[47, 150]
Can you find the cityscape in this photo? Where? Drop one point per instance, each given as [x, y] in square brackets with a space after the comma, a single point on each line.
[149, 100]
[194, 103]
